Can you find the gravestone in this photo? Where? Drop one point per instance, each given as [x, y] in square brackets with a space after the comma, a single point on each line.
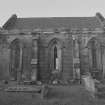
[89, 84]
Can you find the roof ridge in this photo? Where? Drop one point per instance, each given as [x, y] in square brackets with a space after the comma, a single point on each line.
[51, 17]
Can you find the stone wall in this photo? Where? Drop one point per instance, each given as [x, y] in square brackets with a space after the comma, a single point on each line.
[67, 61]
[4, 59]
[44, 40]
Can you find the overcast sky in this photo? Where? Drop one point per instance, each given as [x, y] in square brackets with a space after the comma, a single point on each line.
[50, 8]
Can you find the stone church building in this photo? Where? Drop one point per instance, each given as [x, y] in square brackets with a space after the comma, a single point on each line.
[52, 48]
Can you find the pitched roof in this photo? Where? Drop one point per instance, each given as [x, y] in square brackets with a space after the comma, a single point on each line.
[55, 22]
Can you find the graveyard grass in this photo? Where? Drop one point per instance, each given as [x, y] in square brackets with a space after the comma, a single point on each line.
[58, 95]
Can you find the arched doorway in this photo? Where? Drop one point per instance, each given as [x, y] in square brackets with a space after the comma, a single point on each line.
[55, 59]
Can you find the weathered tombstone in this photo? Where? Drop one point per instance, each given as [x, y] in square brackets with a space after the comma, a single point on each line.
[89, 84]
[44, 91]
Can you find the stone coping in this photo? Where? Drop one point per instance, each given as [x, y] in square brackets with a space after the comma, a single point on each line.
[51, 31]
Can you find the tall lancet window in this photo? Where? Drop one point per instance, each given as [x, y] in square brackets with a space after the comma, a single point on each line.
[55, 52]
[94, 54]
[55, 58]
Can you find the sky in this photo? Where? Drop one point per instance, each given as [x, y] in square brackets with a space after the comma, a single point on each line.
[50, 8]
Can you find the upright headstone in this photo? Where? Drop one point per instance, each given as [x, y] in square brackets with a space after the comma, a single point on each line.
[89, 84]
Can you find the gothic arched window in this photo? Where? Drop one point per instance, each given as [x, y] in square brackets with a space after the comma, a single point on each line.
[16, 58]
[55, 57]
[94, 54]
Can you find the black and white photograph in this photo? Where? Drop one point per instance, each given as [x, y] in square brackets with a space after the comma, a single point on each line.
[52, 52]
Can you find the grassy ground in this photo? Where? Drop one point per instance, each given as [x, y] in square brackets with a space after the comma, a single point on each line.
[58, 95]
